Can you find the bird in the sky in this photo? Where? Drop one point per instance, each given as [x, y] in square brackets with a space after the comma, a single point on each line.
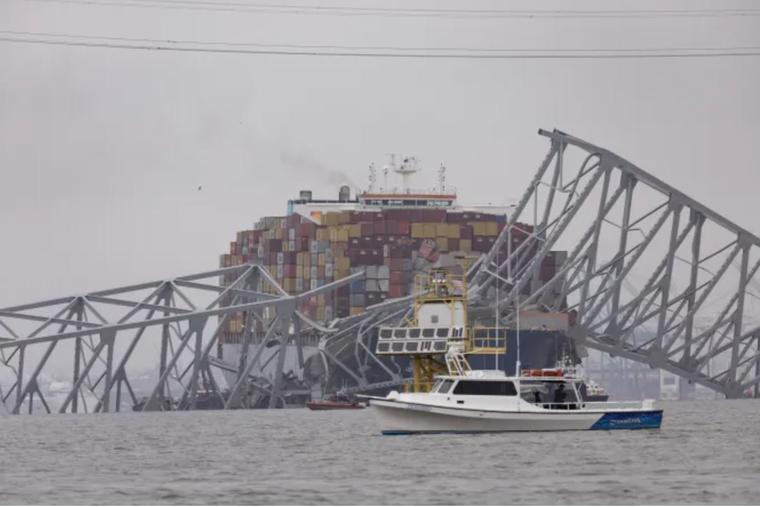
[200, 187]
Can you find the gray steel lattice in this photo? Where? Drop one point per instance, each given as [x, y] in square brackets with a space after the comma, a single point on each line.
[650, 275]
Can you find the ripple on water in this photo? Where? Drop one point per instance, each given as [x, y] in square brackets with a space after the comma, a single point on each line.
[706, 452]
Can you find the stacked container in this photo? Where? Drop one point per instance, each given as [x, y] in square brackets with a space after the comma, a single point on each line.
[388, 245]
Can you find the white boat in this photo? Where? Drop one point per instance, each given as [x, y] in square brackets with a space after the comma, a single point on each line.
[471, 401]
[489, 401]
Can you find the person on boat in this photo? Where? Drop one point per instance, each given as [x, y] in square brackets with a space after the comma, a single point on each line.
[560, 394]
[536, 396]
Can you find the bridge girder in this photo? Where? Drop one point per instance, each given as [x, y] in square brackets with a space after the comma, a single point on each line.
[650, 275]
[103, 329]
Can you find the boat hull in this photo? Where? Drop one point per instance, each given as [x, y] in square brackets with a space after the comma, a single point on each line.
[399, 418]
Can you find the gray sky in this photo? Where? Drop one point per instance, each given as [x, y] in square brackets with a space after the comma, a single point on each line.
[101, 150]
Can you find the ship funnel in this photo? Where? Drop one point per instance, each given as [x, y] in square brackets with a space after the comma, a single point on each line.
[305, 195]
[344, 194]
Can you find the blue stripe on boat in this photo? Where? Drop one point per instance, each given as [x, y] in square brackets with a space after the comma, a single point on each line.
[646, 419]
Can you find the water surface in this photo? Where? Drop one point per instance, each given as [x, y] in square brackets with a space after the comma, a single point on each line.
[705, 453]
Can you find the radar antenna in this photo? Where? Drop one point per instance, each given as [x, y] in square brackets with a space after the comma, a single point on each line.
[442, 178]
[372, 177]
[408, 167]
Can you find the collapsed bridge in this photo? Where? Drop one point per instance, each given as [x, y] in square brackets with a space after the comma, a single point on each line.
[650, 275]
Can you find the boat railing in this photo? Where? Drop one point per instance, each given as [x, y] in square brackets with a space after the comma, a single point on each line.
[565, 405]
[594, 405]
[617, 405]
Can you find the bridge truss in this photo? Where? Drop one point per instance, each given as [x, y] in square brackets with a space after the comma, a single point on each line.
[649, 274]
[183, 319]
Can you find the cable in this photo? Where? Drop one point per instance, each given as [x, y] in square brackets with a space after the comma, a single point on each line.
[347, 51]
[305, 9]
[378, 48]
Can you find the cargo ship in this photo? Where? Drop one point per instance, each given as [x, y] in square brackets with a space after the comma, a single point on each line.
[391, 232]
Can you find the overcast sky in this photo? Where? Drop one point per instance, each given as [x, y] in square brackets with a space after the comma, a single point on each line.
[102, 150]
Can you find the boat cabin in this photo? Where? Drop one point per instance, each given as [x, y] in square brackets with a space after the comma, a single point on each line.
[550, 392]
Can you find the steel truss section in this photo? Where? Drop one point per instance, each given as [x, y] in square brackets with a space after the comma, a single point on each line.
[650, 274]
[183, 319]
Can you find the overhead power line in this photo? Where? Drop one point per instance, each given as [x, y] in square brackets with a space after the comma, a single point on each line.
[334, 10]
[217, 47]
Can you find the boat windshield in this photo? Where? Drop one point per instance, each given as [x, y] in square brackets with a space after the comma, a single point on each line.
[441, 386]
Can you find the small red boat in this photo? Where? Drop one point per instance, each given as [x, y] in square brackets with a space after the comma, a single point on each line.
[334, 404]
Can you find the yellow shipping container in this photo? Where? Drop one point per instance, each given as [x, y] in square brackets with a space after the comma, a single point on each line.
[478, 228]
[342, 263]
[465, 245]
[323, 234]
[344, 217]
[339, 249]
[321, 259]
[332, 218]
[441, 230]
[236, 325]
[418, 230]
[357, 310]
[452, 231]
[299, 271]
[354, 230]
[429, 230]
[492, 228]
[442, 243]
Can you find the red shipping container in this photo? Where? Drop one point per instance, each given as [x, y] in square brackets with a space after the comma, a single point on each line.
[307, 229]
[404, 228]
[395, 291]
[379, 228]
[367, 229]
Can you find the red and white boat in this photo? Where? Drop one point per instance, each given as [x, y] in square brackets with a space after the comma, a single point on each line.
[335, 403]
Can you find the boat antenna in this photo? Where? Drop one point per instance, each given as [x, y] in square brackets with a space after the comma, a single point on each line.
[517, 296]
[496, 309]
